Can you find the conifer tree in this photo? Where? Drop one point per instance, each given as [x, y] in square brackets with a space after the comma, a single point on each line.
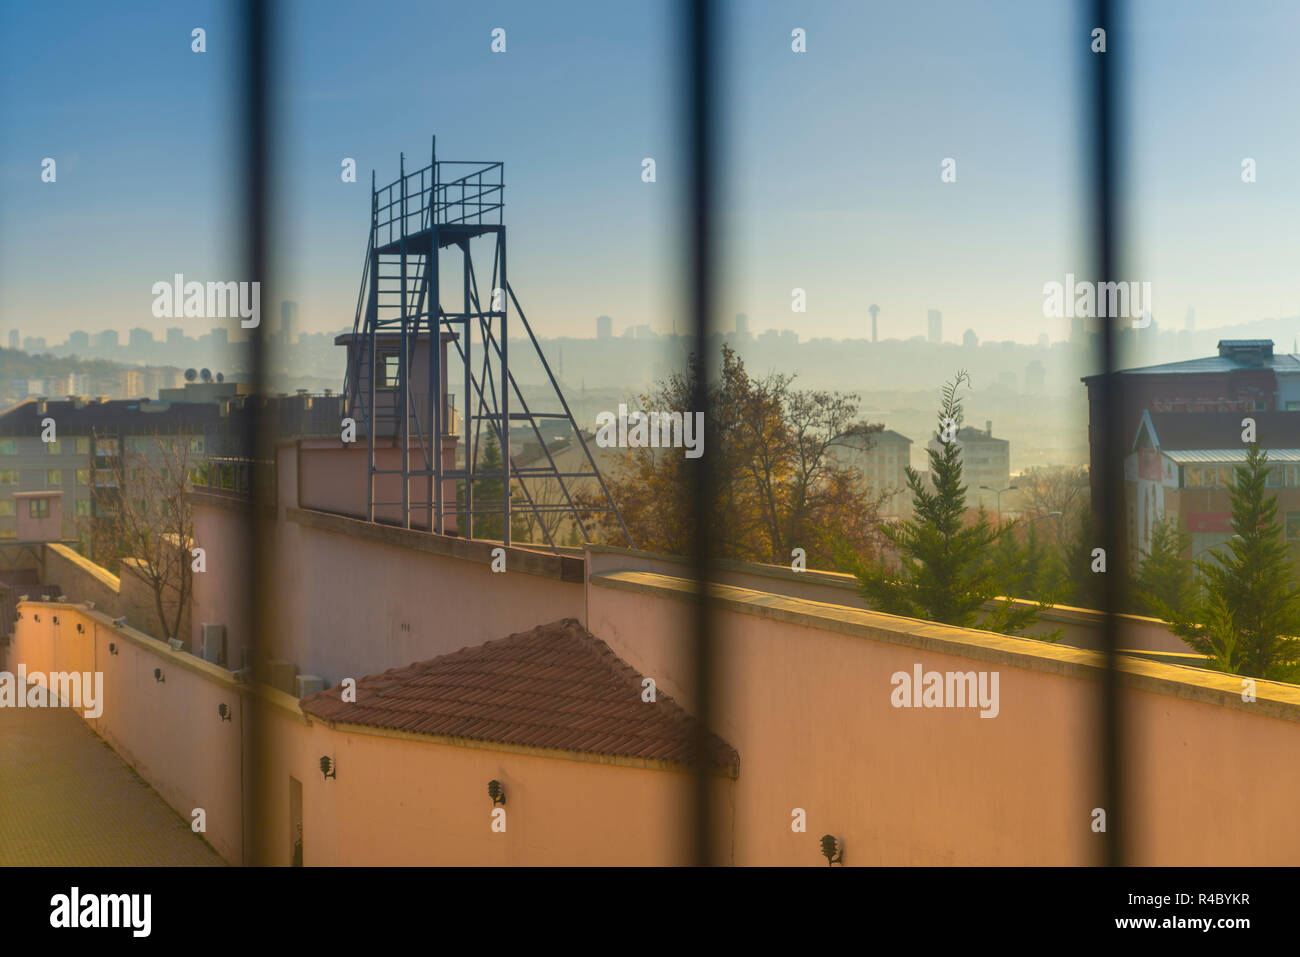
[1249, 613]
[944, 571]
[1165, 579]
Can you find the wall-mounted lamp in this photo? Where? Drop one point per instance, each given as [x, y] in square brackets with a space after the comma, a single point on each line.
[55, 619]
[496, 792]
[119, 622]
[158, 675]
[80, 630]
[327, 766]
[20, 614]
[832, 850]
[36, 617]
[112, 647]
[223, 709]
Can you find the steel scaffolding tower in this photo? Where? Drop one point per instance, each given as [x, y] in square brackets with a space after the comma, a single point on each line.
[397, 363]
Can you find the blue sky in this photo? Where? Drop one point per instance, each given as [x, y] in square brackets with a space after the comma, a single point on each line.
[830, 181]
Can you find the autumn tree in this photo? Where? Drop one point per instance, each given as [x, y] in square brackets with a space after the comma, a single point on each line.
[779, 482]
[142, 523]
[1059, 489]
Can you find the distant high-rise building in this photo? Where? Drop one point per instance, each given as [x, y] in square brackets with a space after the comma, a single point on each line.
[1190, 323]
[935, 318]
[139, 339]
[969, 339]
[220, 337]
[79, 340]
[742, 325]
[604, 327]
[105, 340]
[288, 322]
[1043, 341]
[1035, 378]
[14, 341]
[875, 311]
[175, 336]
[644, 331]
[34, 344]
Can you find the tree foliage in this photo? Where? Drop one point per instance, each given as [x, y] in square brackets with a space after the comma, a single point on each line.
[947, 567]
[1248, 614]
[778, 482]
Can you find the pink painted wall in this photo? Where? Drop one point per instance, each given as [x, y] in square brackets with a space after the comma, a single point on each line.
[808, 709]
[169, 731]
[404, 802]
[348, 607]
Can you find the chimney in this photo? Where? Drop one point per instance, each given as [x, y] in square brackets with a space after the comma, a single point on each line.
[988, 428]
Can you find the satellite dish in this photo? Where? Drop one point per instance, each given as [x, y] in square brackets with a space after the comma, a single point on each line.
[221, 377]
[206, 375]
[191, 375]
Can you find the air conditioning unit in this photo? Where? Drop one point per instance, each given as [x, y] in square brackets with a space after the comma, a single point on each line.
[308, 685]
[281, 675]
[212, 643]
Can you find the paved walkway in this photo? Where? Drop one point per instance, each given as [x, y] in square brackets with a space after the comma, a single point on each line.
[67, 798]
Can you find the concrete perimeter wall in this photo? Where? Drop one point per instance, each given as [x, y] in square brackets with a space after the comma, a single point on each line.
[805, 697]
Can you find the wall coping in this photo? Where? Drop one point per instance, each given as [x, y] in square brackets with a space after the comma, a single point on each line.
[98, 572]
[848, 582]
[178, 658]
[1273, 698]
[563, 568]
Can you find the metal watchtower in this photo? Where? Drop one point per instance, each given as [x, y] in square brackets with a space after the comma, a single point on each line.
[428, 466]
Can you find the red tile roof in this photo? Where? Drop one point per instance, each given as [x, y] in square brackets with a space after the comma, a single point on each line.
[556, 686]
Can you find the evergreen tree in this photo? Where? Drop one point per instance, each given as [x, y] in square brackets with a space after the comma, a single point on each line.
[1165, 579]
[1085, 584]
[1250, 610]
[944, 570]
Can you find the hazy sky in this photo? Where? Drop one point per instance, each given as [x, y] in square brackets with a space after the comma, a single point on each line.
[831, 174]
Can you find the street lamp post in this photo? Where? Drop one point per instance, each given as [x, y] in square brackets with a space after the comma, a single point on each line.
[998, 492]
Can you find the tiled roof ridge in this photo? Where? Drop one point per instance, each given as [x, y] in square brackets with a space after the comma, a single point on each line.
[470, 678]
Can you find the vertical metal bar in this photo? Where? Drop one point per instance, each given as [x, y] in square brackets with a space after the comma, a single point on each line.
[435, 366]
[372, 416]
[404, 371]
[433, 459]
[505, 388]
[698, 24]
[1108, 487]
[258, 17]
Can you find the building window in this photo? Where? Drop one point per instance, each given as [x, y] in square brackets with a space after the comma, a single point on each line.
[390, 364]
[1292, 526]
[83, 446]
[8, 476]
[39, 508]
[54, 476]
[8, 446]
[8, 533]
[83, 476]
[6, 506]
[83, 506]
[54, 448]
[196, 444]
